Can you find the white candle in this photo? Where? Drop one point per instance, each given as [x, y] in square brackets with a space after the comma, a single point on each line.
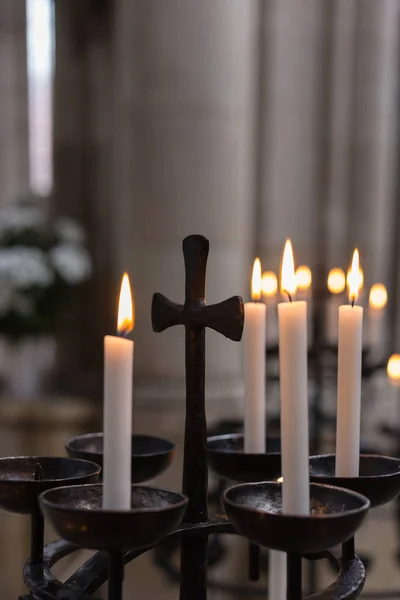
[336, 286]
[304, 292]
[349, 380]
[393, 371]
[118, 371]
[254, 367]
[376, 321]
[294, 394]
[269, 287]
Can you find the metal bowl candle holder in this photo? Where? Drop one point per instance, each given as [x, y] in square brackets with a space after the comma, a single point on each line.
[151, 455]
[24, 478]
[255, 510]
[78, 517]
[227, 459]
[379, 478]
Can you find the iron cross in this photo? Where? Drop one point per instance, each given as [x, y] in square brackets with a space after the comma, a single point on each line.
[226, 317]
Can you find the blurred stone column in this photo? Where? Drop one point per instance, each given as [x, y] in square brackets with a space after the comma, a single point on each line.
[184, 145]
[375, 136]
[14, 162]
[292, 129]
[82, 169]
[340, 133]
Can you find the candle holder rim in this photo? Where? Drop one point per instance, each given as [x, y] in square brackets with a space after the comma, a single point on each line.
[81, 461]
[366, 504]
[100, 434]
[74, 509]
[233, 436]
[391, 459]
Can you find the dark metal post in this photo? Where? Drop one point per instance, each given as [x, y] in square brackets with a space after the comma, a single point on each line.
[37, 526]
[37, 538]
[227, 318]
[115, 575]
[294, 577]
[348, 550]
[254, 561]
[195, 474]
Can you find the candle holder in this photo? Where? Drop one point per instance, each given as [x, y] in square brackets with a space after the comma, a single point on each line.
[23, 478]
[255, 510]
[227, 459]
[379, 478]
[151, 455]
[77, 515]
[155, 516]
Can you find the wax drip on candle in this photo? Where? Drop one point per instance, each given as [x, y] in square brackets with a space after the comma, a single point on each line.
[288, 277]
[354, 278]
[126, 315]
[256, 280]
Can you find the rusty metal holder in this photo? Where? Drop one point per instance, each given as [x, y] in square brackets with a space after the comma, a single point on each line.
[195, 315]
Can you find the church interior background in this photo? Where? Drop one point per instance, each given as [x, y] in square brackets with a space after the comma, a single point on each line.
[125, 126]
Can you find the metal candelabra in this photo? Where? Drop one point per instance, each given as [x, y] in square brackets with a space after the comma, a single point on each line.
[65, 491]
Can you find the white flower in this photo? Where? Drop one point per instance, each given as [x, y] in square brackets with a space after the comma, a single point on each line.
[70, 231]
[24, 267]
[15, 218]
[72, 263]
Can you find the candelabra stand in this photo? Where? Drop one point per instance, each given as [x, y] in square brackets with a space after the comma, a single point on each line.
[72, 503]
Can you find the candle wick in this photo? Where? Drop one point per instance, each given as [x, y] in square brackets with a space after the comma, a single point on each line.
[352, 302]
[289, 295]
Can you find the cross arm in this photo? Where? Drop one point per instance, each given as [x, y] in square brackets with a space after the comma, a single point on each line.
[165, 313]
[226, 317]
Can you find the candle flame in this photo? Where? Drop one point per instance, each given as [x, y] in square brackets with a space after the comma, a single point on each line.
[336, 281]
[378, 296]
[279, 480]
[256, 280]
[288, 278]
[354, 278]
[126, 313]
[393, 367]
[269, 283]
[303, 277]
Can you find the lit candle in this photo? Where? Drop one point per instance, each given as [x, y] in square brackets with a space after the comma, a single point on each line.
[294, 393]
[393, 371]
[336, 286]
[349, 379]
[376, 322]
[269, 288]
[118, 371]
[360, 282]
[304, 292]
[254, 366]
[303, 282]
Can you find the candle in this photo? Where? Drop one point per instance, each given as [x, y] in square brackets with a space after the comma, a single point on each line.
[376, 323]
[304, 292]
[393, 371]
[118, 369]
[254, 366]
[294, 393]
[349, 380]
[269, 288]
[303, 282]
[360, 282]
[336, 286]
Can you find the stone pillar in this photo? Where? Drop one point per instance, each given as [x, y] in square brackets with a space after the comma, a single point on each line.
[14, 163]
[375, 110]
[82, 168]
[294, 65]
[185, 99]
[340, 133]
